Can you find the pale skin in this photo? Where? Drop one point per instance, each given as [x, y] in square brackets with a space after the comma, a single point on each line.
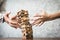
[45, 17]
[39, 21]
[12, 22]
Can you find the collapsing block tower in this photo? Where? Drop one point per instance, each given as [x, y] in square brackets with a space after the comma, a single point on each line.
[26, 27]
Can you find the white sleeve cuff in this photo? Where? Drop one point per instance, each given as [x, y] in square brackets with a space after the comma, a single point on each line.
[1, 18]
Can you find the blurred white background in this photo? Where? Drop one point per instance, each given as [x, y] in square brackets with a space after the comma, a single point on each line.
[48, 29]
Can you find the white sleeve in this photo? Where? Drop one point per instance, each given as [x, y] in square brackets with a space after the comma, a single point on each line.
[1, 18]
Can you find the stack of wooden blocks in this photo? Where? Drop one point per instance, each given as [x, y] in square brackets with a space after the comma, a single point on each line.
[26, 27]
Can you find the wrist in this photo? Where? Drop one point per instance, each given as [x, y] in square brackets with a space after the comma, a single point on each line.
[49, 17]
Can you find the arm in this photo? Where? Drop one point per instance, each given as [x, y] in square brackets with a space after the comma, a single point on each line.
[45, 17]
[54, 15]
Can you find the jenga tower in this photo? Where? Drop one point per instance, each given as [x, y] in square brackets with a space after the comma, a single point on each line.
[23, 20]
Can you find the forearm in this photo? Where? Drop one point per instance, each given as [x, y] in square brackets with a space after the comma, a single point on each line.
[54, 15]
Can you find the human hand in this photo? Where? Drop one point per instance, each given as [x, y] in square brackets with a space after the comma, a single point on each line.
[12, 22]
[41, 18]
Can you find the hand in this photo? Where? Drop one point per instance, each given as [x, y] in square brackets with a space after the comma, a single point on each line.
[41, 18]
[12, 22]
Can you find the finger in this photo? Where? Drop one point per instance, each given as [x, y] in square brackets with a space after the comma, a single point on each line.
[12, 22]
[36, 22]
[14, 17]
[7, 14]
[41, 23]
[15, 26]
[38, 19]
[34, 18]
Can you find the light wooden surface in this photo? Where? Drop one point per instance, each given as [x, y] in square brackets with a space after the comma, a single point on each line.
[33, 39]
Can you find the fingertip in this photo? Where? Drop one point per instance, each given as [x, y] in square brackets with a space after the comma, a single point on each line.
[8, 12]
